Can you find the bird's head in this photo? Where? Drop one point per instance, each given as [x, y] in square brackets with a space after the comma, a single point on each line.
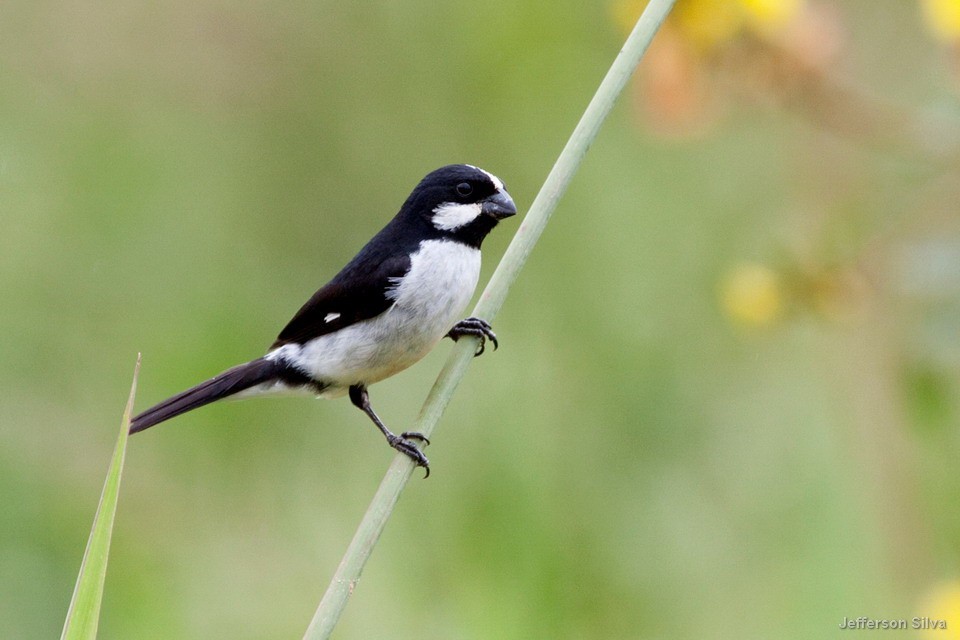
[462, 202]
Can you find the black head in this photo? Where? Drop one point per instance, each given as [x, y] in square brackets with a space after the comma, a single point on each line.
[461, 202]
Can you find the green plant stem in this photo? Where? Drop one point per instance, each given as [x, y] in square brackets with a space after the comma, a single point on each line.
[348, 572]
[83, 616]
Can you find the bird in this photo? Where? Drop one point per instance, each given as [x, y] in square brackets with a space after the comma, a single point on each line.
[385, 310]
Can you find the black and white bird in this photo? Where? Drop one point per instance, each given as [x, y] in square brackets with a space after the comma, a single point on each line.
[383, 312]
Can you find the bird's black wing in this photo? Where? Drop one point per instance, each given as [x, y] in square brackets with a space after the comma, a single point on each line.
[359, 292]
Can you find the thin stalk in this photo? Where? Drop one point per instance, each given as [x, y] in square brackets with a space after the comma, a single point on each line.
[83, 616]
[348, 572]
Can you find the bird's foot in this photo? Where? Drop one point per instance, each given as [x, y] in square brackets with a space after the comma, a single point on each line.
[415, 435]
[474, 327]
[402, 444]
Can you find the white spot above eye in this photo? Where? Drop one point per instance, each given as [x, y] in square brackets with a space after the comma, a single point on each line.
[451, 215]
[330, 317]
[497, 182]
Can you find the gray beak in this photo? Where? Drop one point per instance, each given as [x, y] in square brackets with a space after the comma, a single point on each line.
[499, 206]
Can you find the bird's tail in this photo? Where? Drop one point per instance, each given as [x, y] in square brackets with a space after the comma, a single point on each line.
[228, 383]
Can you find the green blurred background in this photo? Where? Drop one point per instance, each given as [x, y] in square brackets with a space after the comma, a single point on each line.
[725, 402]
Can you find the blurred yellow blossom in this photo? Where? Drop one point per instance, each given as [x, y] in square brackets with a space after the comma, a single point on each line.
[705, 43]
[709, 23]
[771, 15]
[752, 294]
[943, 18]
[942, 602]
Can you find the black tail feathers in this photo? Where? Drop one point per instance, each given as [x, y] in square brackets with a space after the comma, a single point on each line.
[228, 383]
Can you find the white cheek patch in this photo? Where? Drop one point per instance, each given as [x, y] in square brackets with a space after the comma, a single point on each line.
[330, 317]
[451, 215]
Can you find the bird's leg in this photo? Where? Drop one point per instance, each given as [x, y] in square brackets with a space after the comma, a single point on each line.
[361, 399]
[474, 327]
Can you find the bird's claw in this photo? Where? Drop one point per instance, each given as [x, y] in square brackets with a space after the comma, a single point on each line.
[402, 444]
[474, 327]
[415, 435]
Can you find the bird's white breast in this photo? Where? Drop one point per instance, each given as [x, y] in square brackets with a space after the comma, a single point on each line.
[442, 277]
[428, 300]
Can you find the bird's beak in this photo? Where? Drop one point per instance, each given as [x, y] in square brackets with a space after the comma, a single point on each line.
[499, 206]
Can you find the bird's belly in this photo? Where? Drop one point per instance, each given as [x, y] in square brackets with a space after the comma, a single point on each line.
[427, 302]
[369, 351]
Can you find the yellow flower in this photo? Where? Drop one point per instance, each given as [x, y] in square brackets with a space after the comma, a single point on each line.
[752, 294]
[941, 603]
[709, 23]
[771, 15]
[943, 18]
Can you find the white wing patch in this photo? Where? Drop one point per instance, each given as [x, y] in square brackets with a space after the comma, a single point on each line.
[330, 317]
[451, 215]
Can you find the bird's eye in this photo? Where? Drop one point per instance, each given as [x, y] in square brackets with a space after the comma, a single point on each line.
[464, 189]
